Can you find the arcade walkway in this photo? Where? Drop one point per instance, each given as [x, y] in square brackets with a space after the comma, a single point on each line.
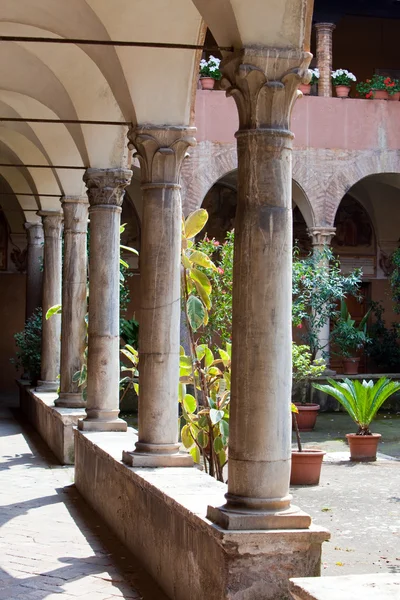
[51, 543]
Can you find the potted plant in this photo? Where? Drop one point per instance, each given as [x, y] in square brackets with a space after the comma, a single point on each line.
[362, 400]
[305, 88]
[394, 90]
[376, 88]
[304, 368]
[350, 339]
[342, 80]
[209, 72]
[306, 464]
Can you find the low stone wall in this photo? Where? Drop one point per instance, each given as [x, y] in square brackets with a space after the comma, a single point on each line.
[54, 425]
[160, 514]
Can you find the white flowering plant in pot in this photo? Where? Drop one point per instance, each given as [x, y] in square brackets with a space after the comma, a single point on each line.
[210, 68]
[343, 77]
[315, 76]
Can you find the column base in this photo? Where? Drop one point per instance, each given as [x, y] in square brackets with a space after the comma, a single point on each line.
[100, 425]
[47, 386]
[141, 459]
[242, 519]
[70, 400]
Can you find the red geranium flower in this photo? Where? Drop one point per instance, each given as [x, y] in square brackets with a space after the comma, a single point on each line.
[216, 243]
[220, 271]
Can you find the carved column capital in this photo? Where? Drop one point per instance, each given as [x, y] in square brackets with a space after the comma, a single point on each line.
[106, 187]
[75, 210]
[35, 233]
[52, 223]
[264, 84]
[321, 236]
[161, 151]
[325, 27]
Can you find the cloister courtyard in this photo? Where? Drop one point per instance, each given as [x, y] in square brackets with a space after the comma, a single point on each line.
[200, 299]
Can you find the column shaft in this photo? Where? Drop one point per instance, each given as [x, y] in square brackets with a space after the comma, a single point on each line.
[324, 58]
[34, 268]
[260, 419]
[106, 188]
[74, 305]
[161, 152]
[52, 264]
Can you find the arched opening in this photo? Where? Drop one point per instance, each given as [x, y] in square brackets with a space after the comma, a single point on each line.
[367, 225]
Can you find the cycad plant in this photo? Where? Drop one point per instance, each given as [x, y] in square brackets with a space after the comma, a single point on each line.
[362, 400]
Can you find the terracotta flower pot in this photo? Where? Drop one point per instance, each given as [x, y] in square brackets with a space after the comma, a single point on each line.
[363, 447]
[394, 97]
[207, 83]
[307, 416]
[305, 88]
[350, 365]
[380, 94]
[306, 467]
[342, 91]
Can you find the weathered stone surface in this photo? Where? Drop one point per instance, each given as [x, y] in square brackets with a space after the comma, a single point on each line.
[51, 328]
[106, 188]
[161, 515]
[55, 425]
[368, 587]
[161, 152]
[34, 273]
[74, 305]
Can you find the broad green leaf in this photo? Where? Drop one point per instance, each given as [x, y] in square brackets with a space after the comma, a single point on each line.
[185, 361]
[214, 371]
[222, 457]
[200, 351]
[123, 263]
[216, 415]
[136, 388]
[203, 295]
[189, 402]
[202, 279]
[76, 376]
[218, 445]
[53, 310]
[195, 222]
[199, 258]
[229, 349]
[187, 439]
[181, 391]
[186, 262]
[226, 359]
[129, 249]
[203, 422]
[182, 351]
[202, 438]
[224, 428]
[195, 453]
[209, 357]
[196, 312]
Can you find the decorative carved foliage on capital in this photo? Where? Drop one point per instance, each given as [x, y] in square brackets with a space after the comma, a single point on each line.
[321, 236]
[161, 151]
[264, 84]
[52, 223]
[107, 186]
[35, 233]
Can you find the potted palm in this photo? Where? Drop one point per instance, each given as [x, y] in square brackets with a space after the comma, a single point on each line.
[209, 72]
[304, 368]
[350, 338]
[362, 400]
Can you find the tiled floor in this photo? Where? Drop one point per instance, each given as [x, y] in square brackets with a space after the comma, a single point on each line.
[51, 542]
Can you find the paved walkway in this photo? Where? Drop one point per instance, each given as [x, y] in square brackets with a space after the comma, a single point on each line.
[51, 543]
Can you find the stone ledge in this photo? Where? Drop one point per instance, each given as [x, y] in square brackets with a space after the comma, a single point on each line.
[55, 425]
[385, 586]
[160, 514]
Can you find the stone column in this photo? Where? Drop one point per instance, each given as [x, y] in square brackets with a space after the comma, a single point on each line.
[161, 152]
[265, 87]
[324, 58]
[51, 330]
[34, 267]
[321, 237]
[106, 189]
[74, 304]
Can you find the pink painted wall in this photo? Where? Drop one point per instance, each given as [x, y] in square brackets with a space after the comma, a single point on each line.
[333, 123]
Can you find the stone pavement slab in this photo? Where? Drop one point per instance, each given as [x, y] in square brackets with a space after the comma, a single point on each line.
[351, 587]
[52, 545]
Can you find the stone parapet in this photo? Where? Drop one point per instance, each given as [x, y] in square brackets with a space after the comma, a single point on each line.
[160, 514]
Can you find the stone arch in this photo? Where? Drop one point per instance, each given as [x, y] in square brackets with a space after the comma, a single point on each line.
[345, 177]
[301, 200]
